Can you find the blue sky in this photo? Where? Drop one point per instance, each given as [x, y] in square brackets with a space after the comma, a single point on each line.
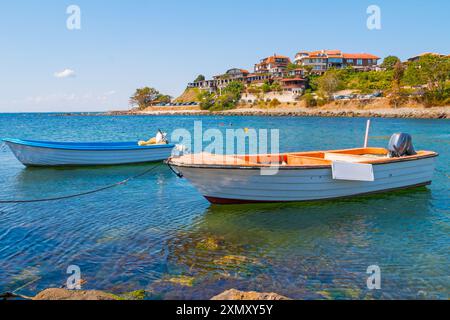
[123, 45]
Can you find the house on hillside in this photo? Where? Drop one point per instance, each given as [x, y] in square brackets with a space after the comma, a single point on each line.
[222, 80]
[297, 72]
[275, 65]
[231, 75]
[258, 78]
[316, 60]
[295, 86]
[416, 58]
[321, 61]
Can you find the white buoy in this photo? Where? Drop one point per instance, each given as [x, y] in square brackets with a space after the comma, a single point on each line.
[366, 139]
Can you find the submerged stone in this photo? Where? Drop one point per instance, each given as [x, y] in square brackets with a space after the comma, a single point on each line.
[63, 294]
[235, 260]
[183, 281]
[209, 243]
[234, 294]
[340, 294]
[134, 295]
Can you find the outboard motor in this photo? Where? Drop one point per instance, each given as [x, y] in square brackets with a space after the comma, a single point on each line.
[401, 145]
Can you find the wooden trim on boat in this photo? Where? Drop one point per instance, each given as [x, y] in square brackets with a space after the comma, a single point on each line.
[225, 201]
[252, 166]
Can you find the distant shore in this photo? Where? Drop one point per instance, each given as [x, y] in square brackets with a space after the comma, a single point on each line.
[329, 111]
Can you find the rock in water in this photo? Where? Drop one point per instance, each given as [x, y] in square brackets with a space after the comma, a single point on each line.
[63, 294]
[234, 294]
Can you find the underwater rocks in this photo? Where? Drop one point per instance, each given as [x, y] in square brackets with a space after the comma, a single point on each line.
[234, 294]
[63, 294]
[182, 281]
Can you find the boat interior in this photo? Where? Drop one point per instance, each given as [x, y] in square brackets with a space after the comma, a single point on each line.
[313, 158]
[322, 157]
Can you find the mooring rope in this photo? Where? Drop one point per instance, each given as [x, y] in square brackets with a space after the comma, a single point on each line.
[178, 174]
[81, 194]
[14, 294]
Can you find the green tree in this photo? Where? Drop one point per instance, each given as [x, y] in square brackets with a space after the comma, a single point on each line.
[309, 99]
[200, 78]
[235, 89]
[266, 87]
[144, 97]
[276, 87]
[164, 98]
[389, 62]
[430, 70]
[225, 101]
[230, 96]
[308, 70]
[206, 99]
[397, 77]
[433, 72]
[397, 96]
[271, 87]
[292, 66]
[329, 82]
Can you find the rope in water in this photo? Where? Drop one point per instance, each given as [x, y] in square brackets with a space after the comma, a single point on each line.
[81, 194]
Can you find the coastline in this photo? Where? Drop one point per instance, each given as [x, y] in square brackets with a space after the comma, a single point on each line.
[402, 112]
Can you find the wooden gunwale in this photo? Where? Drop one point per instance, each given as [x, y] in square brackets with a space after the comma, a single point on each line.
[244, 162]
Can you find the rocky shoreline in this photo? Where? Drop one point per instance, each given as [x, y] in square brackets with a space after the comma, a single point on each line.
[408, 113]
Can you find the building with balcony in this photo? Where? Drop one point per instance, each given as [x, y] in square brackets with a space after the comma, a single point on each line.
[231, 75]
[320, 61]
[221, 81]
[295, 86]
[275, 65]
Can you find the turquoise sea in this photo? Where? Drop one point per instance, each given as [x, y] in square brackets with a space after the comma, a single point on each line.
[157, 233]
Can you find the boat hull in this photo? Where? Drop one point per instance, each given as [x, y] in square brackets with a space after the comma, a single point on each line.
[47, 156]
[247, 185]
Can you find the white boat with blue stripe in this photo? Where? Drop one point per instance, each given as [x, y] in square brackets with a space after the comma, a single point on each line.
[46, 153]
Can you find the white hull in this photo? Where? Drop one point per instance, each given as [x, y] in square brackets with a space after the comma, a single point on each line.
[37, 156]
[243, 184]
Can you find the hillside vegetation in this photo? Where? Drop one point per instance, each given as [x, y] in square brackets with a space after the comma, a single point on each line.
[189, 95]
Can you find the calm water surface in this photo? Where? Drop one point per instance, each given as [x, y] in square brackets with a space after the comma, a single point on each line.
[159, 234]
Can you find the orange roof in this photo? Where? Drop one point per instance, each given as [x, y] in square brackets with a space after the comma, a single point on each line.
[360, 56]
[272, 58]
[324, 52]
[338, 54]
[244, 71]
[333, 51]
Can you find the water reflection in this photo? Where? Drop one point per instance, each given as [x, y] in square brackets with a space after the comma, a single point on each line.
[302, 250]
[70, 180]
